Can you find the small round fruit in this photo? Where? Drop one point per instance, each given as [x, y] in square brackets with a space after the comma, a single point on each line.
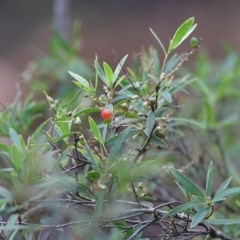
[124, 106]
[194, 42]
[106, 114]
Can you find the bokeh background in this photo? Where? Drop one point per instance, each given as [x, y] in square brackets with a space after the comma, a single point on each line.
[107, 26]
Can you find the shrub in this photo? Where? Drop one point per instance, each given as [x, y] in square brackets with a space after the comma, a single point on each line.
[83, 174]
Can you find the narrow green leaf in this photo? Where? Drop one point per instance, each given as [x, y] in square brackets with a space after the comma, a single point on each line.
[187, 183]
[228, 192]
[182, 208]
[5, 194]
[119, 141]
[16, 157]
[63, 136]
[200, 216]
[87, 111]
[99, 206]
[4, 148]
[224, 221]
[151, 120]
[184, 121]
[119, 80]
[90, 156]
[159, 142]
[184, 192]
[81, 82]
[209, 180]
[182, 33]
[101, 73]
[119, 67]
[39, 130]
[13, 234]
[104, 132]
[223, 186]
[167, 96]
[218, 199]
[15, 138]
[95, 130]
[159, 41]
[108, 73]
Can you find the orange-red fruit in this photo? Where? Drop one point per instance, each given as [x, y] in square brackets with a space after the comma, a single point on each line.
[106, 114]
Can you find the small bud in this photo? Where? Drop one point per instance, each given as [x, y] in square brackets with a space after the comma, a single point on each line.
[137, 85]
[77, 120]
[152, 100]
[103, 98]
[194, 42]
[124, 106]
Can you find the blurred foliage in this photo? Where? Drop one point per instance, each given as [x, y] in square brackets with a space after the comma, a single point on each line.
[50, 73]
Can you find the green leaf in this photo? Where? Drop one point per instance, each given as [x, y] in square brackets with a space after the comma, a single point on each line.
[95, 130]
[159, 41]
[87, 111]
[182, 33]
[218, 199]
[108, 73]
[223, 187]
[4, 148]
[101, 73]
[119, 68]
[182, 208]
[120, 140]
[63, 136]
[90, 156]
[99, 206]
[167, 96]
[227, 193]
[200, 216]
[16, 157]
[15, 138]
[181, 121]
[4, 193]
[224, 221]
[104, 132]
[39, 130]
[187, 183]
[159, 142]
[82, 83]
[209, 180]
[151, 120]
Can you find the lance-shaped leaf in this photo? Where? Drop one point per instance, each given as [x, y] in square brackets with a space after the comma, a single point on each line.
[182, 33]
[224, 221]
[159, 41]
[95, 130]
[81, 82]
[182, 208]
[200, 216]
[209, 180]
[187, 183]
[151, 119]
[119, 67]
[108, 74]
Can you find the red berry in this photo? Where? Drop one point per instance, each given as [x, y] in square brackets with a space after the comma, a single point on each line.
[106, 114]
